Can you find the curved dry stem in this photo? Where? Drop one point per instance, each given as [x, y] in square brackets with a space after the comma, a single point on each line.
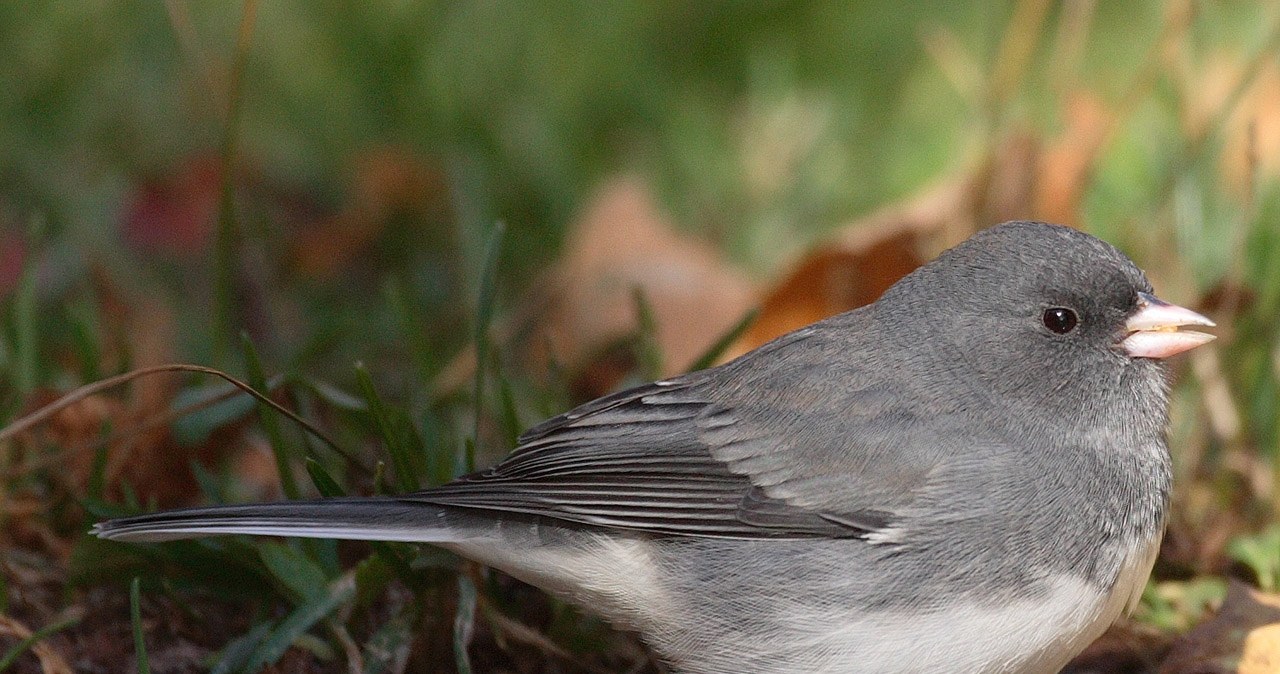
[45, 413]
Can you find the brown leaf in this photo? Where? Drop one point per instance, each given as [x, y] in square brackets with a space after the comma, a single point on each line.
[140, 448]
[174, 215]
[831, 280]
[1125, 648]
[622, 243]
[13, 255]
[1243, 638]
[389, 186]
[1252, 135]
[861, 262]
[1067, 162]
[51, 662]
[1261, 651]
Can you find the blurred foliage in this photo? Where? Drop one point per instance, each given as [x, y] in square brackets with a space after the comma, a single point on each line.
[358, 183]
[1176, 606]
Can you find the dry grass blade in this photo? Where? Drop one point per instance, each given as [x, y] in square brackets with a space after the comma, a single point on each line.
[1224, 416]
[144, 425]
[1069, 45]
[1210, 127]
[355, 661]
[227, 240]
[51, 662]
[184, 29]
[958, 66]
[1016, 50]
[513, 629]
[44, 413]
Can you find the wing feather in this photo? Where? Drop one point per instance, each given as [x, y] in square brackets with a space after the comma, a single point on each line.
[738, 451]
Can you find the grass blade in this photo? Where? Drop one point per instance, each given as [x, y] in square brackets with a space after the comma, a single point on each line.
[398, 434]
[25, 343]
[302, 577]
[648, 351]
[269, 421]
[511, 426]
[484, 314]
[228, 233]
[15, 651]
[98, 470]
[464, 622]
[301, 619]
[135, 614]
[235, 656]
[388, 649]
[413, 330]
[325, 484]
[716, 350]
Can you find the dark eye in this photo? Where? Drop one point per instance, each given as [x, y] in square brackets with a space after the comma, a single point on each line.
[1060, 320]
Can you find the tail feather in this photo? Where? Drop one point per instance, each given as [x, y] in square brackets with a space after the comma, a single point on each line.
[371, 519]
[611, 575]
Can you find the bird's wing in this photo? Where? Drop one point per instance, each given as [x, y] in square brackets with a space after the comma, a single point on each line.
[734, 452]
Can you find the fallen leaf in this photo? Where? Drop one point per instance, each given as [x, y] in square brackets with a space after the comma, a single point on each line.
[174, 215]
[858, 264]
[831, 280]
[51, 662]
[1243, 638]
[1261, 651]
[13, 255]
[1067, 162]
[622, 243]
[1125, 648]
[132, 421]
[1251, 128]
[389, 186]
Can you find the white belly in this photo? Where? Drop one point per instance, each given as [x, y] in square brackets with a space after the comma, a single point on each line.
[620, 580]
[1032, 637]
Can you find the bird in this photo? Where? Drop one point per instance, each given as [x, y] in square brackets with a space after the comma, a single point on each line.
[968, 475]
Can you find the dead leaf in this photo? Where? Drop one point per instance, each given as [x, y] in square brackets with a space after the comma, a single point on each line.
[1252, 136]
[174, 215]
[1261, 651]
[854, 267]
[1067, 163]
[389, 185]
[1125, 648]
[133, 422]
[1243, 638]
[51, 662]
[13, 255]
[832, 280]
[622, 243]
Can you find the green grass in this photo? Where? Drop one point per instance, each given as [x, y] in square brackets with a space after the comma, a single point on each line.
[340, 173]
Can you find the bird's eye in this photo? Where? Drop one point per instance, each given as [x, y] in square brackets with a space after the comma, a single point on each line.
[1060, 319]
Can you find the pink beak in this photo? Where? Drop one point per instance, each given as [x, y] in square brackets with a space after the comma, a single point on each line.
[1152, 332]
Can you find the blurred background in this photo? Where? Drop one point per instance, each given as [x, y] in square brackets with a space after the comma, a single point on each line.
[424, 226]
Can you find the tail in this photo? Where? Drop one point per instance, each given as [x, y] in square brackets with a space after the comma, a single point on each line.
[367, 519]
[579, 565]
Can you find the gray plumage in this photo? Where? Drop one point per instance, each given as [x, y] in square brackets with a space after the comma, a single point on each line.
[935, 482]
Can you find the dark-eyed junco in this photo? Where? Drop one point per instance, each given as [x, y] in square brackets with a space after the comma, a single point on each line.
[969, 475]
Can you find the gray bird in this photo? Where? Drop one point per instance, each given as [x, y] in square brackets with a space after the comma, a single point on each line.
[969, 475]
